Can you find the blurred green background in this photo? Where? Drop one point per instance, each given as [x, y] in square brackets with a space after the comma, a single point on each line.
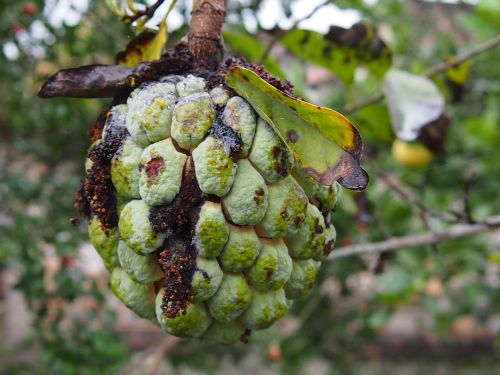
[434, 308]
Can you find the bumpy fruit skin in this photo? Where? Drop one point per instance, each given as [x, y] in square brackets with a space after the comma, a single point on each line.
[136, 230]
[241, 249]
[144, 269]
[105, 241]
[211, 230]
[160, 173]
[206, 279]
[266, 308]
[302, 278]
[218, 229]
[192, 323]
[137, 297]
[246, 202]
[232, 298]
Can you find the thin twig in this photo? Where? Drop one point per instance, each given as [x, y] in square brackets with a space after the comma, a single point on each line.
[406, 194]
[156, 351]
[282, 33]
[105, 28]
[431, 72]
[148, 12]
[422, 239]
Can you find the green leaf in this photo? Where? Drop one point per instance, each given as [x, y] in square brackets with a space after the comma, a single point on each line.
[146, 46]
[243, 44]
[341, 50]
[374, 120]
[325, 144]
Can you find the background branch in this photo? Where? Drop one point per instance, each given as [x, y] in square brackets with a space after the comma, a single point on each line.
[282, 33]
[148, 12]
[427, 238]
[433, 71]
[155, 352]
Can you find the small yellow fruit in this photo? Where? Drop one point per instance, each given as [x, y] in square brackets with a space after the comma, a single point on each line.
[411, 155]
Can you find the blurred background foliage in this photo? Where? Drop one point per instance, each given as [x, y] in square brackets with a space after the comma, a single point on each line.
[451, 288]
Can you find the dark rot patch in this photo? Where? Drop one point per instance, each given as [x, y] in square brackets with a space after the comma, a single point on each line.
[154, 166]
[259, 196]
[181, 214]
[245, 336]
[318, 229]
[178, 261]
[328, 248]
[177, 256]
[269, 272]
[280, 164]
[95, 131]
[228, 136]
[96, 195]
[292, 136]
[352, 37]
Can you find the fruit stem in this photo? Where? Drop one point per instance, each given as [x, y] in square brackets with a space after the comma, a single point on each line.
[204, 39]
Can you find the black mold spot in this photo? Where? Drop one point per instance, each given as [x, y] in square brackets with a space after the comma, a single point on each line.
[228, 136]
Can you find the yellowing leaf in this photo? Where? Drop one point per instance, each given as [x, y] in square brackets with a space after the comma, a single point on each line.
[146, 46]
[459, 73]
[324, 143]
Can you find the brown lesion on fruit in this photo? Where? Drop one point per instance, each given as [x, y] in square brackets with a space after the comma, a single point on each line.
[96, 195]
[95, 131]
[269, 272]
[154, 166]
[328, 248]
[318, 229]
[179, 215]
[177, 256]
[259, 196]
[178, 260]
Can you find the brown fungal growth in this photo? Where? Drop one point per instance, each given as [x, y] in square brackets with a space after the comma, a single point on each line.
[178, 261]
[154, 166]
[96, 195]
[259, 196]
[177, 256]
[328, 247]
[95, 131]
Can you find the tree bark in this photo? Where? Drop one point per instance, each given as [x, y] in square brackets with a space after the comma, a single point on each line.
[204, 38]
